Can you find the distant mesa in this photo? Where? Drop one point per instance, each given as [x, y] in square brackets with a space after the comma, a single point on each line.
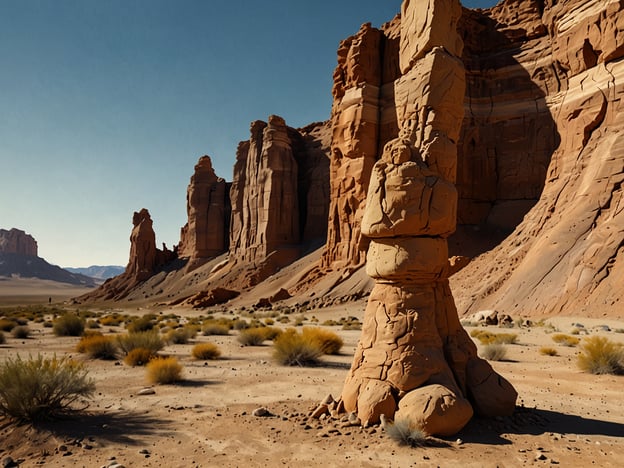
[18, 258]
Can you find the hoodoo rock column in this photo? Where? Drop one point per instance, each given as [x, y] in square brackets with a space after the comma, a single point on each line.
[414, 360]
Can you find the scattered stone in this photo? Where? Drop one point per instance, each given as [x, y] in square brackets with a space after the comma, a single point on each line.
[8, 462]
[261, 413]
[146, 391]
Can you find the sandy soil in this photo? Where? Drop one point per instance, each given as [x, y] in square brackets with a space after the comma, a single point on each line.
[17, 291]
[565, 417]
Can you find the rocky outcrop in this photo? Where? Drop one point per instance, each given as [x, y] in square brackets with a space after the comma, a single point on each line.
[566, 256]
[205, 235]
[275, 202]
[15, 241]
[145, 260]
[414, 361]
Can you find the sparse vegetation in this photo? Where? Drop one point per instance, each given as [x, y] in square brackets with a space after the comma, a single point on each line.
[39, 388]
[113, 320]
[405, 432]
[20, 332]
[6, 325]
[293, 349]
[148, 340]
[548, 351]
[2, 338]
[565, 340]
[141, 324]
[139, 357]
[164, 370]
[486, 337]
[68, 324]
[97, 346]
[494, 352]
[599, 355]
[251, 337]
[205, 351]
[181, 335]
[214, 328]
[327, 340]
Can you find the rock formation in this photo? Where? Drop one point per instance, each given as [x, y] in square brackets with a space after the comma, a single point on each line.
[145, 260]
[18, 242]
[274, 207]
[205, 235]
[566, 257]
[414, 360]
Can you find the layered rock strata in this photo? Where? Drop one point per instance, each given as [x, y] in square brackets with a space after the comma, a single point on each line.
[566, 256]
[205, 235]
[278, 176]
[414, 361]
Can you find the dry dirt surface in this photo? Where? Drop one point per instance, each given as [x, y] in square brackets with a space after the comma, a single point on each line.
[564, 417]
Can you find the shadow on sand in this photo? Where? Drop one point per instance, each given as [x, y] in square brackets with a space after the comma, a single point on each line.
[529, 421]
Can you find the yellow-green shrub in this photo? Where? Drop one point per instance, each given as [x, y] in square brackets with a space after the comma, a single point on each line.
[293, 349]
[205, 351]
[600, 355]
[139, 357]
[98, 346]
[148, 340]
[164, 370]
[565, 340]
[68, 324]
[327, 340]
[548, 351]
[251, 336]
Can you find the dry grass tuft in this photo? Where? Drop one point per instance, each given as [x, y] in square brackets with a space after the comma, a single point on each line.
[327, 340]
[548, 351]
[487, 337]
[600, 355]
[68, 324]
[252, 336]
[164, 370]
[205, 351]
[40, 388]
[494, 352]
[139, 357]
[565, 340]
[404, 432]
[97, 346]
[293, 349]
[148, 340]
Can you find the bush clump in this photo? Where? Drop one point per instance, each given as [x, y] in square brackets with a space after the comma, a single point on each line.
[548, 351]
[293, 349]
[600, 355]
[139, 357]
[487, 337]
[251, 336]
[205, 351]
[215, 328]
[40, 388]
[2, 338]
[20, 332]
[141, 324]
[180, 335]
[68, 324]
[147, 339]
[405, 432]
[6, 325]
[494, 352]
[566, 340]
[164, 370]
[327, 340]
[97, 346]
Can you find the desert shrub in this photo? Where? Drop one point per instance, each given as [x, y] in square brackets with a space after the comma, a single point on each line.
[494, 352]
[180, 335]
[80, 346]
[98, 346]
[548, 351]
[111, 320]
[164, 370]
[48, 324]
[6, 325]
[330, 323]
[147, 339]
[293, 349]
[269, 321]
[20, 332]
[405, 432]
[141, 324]
[205, 351]
[487, 337]
[251, 337]
[92, 324]
[327, 340]
[284, 319]
[271, 333]
[575, 331]
[565, 340]
[68, 324]
[40, 387]
[2, 338]
[240, 324]
[139, 357]
[619, 330]
[215, 329]
[600, 355]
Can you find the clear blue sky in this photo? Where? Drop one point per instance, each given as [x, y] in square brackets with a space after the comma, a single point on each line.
[106, 105]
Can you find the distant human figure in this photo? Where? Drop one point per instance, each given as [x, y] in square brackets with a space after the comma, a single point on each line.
[49, 300]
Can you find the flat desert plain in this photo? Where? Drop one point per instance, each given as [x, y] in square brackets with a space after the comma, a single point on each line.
[564, 417]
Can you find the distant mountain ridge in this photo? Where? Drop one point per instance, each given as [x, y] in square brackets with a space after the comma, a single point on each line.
[30, 266]
[101, 272]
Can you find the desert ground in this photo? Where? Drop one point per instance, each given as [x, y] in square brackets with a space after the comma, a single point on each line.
[564, 417]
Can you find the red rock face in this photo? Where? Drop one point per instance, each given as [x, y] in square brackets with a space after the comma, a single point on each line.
[566, 256]
[16, 241]
[279, 197]
[205, 235]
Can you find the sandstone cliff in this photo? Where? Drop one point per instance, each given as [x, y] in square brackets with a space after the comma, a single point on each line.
[205, 235]
[565, 60]
[16, 241]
